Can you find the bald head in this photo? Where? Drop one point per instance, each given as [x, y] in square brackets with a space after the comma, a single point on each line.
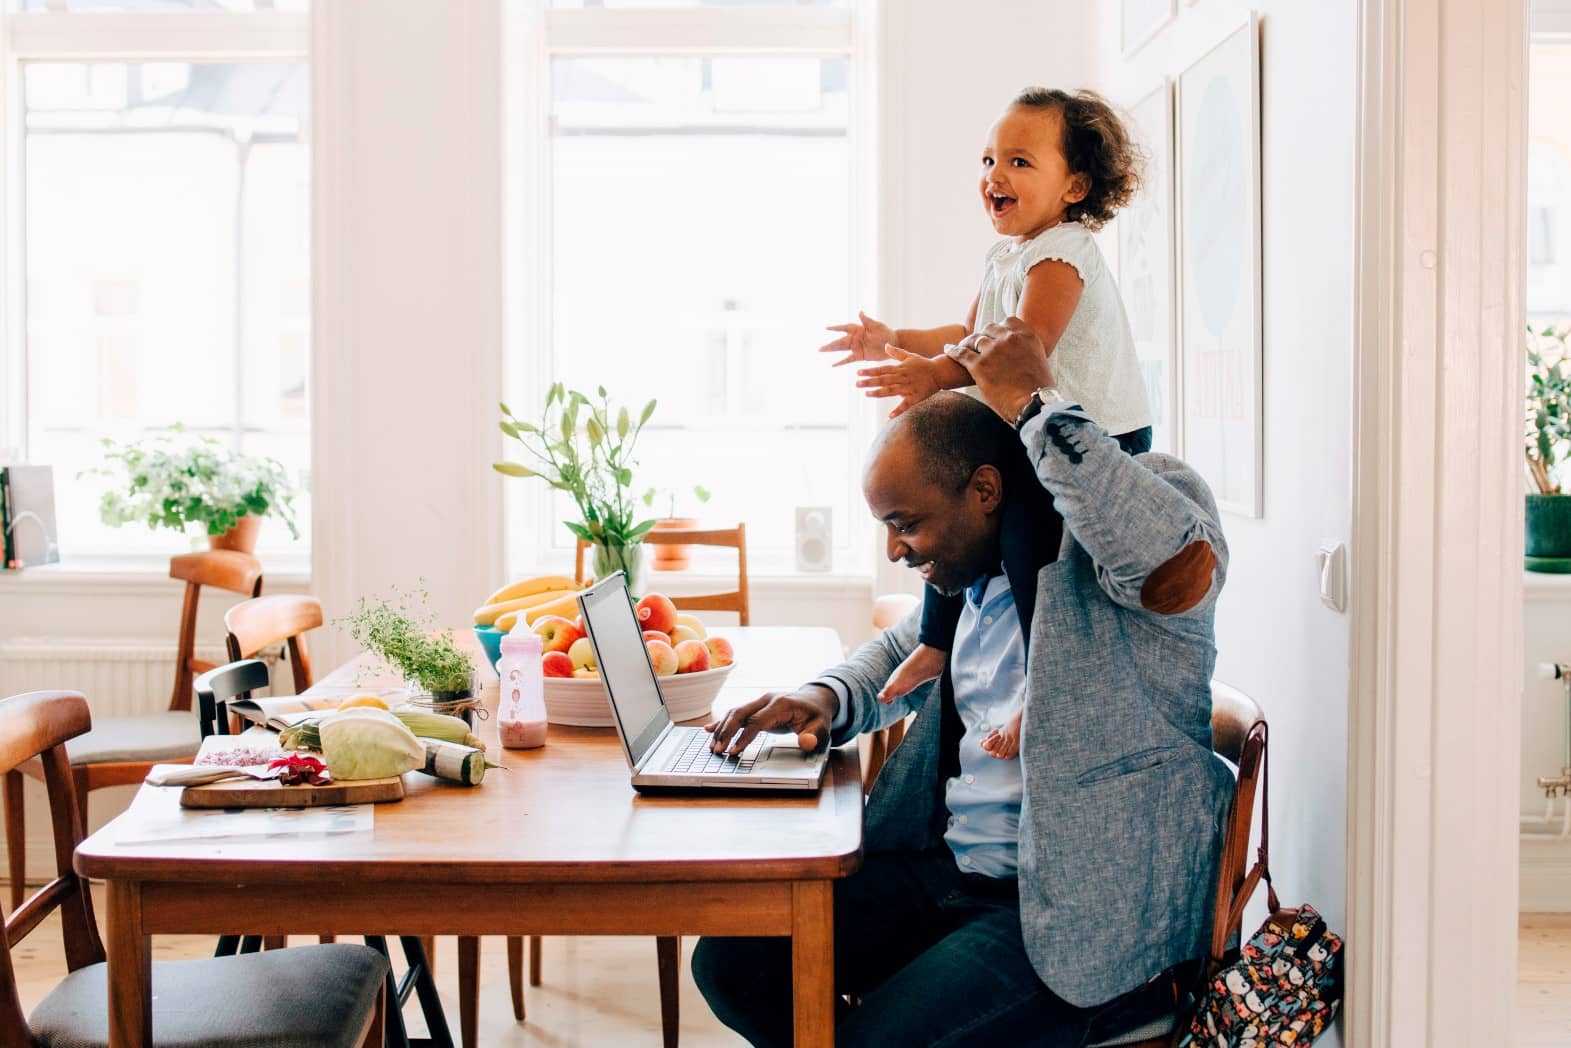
[947, 437]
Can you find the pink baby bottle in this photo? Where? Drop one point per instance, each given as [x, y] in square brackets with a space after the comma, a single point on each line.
[521, 718]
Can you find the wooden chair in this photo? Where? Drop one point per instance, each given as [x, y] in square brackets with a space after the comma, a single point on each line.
[732, 538]
[212, 1001]
[120, 751]
[257, 624]
[1238, 735]
[668, 948]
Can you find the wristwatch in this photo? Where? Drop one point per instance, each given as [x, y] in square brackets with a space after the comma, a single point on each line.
[1039, 397]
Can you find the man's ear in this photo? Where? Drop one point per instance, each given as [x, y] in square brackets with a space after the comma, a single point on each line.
[987, 485]
[1079, 188]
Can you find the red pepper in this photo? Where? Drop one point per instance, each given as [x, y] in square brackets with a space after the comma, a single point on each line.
[299, 769]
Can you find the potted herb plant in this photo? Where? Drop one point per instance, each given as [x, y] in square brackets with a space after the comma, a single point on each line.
[405, 637]
[1548, 515]
[584, 447]
[673, 557]
[171, 483]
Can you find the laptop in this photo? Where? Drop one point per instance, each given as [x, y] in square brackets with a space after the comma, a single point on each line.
[660, 753]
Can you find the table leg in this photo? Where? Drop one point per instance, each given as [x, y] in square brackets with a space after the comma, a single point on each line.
[813, 963]
[130, 969]
[469, 990]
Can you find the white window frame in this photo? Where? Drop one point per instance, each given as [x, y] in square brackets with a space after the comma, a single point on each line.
[534, 34]
[62, 36]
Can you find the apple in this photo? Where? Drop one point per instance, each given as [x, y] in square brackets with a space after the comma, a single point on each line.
[692, 623]
[662, 657]
[720, 653]
[657, 635]
[692, 657]
[557, 633]
[582, 653]
[586, 672]
[578, 621]
[681, 633]
[656, 612]
[557, 664]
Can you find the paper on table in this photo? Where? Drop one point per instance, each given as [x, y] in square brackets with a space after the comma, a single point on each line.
[258, 824]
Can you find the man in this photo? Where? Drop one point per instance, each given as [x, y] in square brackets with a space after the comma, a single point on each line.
[1058, 898]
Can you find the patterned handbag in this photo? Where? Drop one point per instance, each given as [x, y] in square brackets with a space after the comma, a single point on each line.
[1284, 986]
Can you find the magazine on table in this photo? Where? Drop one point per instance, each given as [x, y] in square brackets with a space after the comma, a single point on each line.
[285, 711]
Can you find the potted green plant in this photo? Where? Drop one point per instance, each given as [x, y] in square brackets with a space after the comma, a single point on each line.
[405, 636]
[168, 482]
[585, 448]
[1548, 515]
[675, 557]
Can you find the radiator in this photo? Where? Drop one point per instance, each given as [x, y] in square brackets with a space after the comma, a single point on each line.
[120, 678]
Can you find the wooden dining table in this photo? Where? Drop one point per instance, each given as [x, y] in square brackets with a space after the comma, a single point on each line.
[554, 842]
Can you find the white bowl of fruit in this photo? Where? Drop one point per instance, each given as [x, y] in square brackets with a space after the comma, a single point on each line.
[691, 665]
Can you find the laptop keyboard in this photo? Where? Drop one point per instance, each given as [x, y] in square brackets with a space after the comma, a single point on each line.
[695, 758]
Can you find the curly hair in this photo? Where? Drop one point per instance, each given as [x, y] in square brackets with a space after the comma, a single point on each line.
[1096, 144]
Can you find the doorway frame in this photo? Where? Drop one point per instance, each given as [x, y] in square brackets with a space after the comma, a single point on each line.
[1434, 711]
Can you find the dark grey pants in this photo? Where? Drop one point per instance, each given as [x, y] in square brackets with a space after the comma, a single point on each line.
[936, 957]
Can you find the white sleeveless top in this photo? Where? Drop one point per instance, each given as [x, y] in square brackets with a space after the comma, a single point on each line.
[1094, 363]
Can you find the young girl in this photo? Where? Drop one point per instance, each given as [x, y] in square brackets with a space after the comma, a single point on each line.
[1055, 168]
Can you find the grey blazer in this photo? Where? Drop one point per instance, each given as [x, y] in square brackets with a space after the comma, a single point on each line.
[1124, 801]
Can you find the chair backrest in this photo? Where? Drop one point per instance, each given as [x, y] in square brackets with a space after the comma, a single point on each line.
[261, 622]
[887, 610]
[734, 538]
[1238, 734]
[37, 724]
[216, 687]
[223, 569]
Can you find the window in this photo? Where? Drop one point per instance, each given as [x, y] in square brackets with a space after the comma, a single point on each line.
[700, 230]
[1549, 180]
[163, 233]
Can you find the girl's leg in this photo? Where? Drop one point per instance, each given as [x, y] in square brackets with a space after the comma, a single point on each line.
[940, 614]
[1136, 441]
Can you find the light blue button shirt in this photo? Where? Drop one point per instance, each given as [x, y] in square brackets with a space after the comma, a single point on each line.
[989, 673]
[988, 669]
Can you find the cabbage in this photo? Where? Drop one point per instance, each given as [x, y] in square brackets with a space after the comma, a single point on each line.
[366, 743]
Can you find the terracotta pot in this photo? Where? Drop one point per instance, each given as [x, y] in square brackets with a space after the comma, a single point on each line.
[241, 537]
[673, 558]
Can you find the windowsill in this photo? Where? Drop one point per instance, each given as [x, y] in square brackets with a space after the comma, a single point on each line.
[90, 575]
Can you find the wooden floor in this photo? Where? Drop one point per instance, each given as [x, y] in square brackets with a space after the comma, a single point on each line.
[602, 991]
[1543, 982]
[597, 991]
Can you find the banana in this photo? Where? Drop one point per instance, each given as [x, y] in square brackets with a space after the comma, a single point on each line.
[531, 586]
[488, 614]
[567, 607]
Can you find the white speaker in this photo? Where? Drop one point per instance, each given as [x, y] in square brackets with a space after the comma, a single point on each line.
[814, 539]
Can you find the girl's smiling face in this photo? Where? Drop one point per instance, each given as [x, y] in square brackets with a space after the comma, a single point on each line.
[1026, 182]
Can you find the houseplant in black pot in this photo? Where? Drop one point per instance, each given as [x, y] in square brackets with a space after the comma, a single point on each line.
[1548, 538]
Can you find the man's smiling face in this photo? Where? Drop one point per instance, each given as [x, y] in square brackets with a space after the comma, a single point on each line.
[950, 536]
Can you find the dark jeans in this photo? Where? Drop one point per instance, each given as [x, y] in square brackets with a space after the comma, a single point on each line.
[936, 957]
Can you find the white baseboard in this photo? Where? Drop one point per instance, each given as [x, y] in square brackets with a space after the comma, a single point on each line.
[1545, 877]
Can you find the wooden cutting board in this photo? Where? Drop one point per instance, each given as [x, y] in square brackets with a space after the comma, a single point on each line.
[252, 793]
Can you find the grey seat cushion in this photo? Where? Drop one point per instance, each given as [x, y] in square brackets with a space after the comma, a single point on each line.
[304, 997]
[150, 737]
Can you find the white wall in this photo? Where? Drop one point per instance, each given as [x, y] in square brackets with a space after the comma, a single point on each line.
[1276, 640]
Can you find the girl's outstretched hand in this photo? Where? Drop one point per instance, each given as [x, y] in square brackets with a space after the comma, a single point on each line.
[864, 341]
[911, 378]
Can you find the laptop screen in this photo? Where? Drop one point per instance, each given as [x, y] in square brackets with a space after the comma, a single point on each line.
[624, 664]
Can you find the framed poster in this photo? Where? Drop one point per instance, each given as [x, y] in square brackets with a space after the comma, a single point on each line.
[1140, 21]
[1145, 265]
[1219, 269]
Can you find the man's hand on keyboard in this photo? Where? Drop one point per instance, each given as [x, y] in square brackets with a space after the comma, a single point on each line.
[807, 711]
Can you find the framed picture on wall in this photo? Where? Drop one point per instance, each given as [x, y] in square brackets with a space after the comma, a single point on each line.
[1220, 389]
[1145, 265]
[1141, 20]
